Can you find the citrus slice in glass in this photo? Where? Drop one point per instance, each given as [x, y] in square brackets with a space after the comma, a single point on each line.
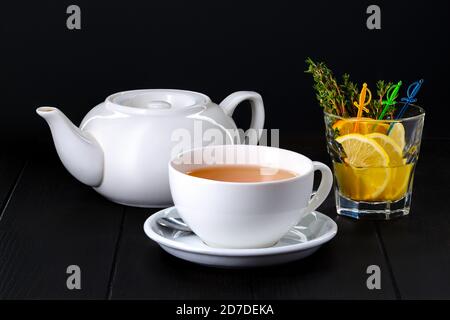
[371, 183]
[393, 150]
[397, 134]
[362, 151]
[365, 125]
[399, 182]
[362, 184]
[369, 163]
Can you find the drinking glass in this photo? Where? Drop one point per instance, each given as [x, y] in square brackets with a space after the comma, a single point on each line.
[374, 163]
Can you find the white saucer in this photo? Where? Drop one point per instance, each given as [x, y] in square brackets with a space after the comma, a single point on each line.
[301, 241]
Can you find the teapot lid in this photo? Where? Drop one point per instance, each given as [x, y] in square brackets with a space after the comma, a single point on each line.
[156, 101]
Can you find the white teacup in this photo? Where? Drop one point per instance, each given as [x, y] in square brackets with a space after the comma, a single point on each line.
[243, 214]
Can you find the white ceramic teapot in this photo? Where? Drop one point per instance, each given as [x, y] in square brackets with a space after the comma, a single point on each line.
[123, 145]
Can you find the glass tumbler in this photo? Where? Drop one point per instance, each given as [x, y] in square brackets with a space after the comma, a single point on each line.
[374, 162]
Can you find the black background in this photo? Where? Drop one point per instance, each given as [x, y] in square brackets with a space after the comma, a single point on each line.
[216, 47]
[48, 220]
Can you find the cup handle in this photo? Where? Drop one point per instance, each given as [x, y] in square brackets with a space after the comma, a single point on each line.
[322, 192]
[257, 123]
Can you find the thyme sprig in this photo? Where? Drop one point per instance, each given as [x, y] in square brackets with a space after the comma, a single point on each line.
[337, 98]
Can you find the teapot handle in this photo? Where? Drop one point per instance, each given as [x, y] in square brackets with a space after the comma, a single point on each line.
[257, 123]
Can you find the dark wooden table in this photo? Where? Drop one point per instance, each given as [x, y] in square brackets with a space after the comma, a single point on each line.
[49, 221]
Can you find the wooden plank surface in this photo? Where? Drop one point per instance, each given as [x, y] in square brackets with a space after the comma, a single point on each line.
[12, 163]
[144, 271]
[53, 221]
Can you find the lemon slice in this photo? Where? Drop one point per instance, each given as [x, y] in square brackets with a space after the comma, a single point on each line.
[393, 150]
[371, 183]
[365, 125]
[397, 134]
[399, 182]
[369, 164]
[362, 184]
[362, 151]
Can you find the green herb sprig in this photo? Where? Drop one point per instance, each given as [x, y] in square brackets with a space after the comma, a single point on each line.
[328, 93]
[337, 98]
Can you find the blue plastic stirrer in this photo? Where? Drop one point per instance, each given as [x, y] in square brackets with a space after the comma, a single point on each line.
[412, 91]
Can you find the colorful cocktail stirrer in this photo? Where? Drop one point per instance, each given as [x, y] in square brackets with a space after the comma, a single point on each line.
[411, 93]
[361, 105]
[391, 95]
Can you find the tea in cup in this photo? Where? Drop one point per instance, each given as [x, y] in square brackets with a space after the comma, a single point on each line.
[245, 196]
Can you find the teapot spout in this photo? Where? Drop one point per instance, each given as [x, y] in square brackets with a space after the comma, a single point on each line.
[79, 152]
